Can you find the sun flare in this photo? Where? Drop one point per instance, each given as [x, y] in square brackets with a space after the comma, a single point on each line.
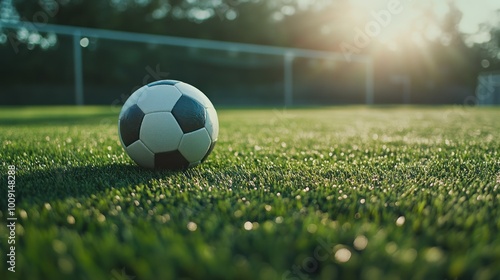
[396, 22]
[420, 21]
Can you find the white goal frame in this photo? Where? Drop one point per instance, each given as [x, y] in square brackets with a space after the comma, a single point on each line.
[288, 54]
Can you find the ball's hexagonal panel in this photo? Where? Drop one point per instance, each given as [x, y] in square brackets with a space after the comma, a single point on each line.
[189, 113]
[194, 145]
[212, 124]
[194, 93]
[161, 98]
[160, 132]
[170, 160]
[163, 82]
[132, 100]
[141, 154]
[212, 146]
[130, 125]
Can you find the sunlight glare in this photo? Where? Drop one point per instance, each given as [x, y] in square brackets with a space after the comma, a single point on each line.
[424, 16]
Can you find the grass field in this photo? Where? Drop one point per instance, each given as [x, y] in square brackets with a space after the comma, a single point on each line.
[320, 193]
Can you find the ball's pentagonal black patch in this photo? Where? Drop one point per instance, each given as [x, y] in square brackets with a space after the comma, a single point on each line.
[130, 124]
[171, 160]
[163, 82]
[189, 113]
[212, 146]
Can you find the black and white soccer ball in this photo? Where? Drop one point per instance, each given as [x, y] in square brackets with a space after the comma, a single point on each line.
[168, 125]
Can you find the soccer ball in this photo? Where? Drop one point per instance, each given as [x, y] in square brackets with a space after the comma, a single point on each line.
[168, 125]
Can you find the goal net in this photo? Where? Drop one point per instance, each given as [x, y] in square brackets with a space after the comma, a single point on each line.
[488, 89]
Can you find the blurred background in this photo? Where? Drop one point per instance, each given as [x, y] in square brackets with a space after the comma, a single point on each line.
[252, 52]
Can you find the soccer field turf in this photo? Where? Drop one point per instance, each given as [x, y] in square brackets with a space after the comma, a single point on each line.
[320, 193]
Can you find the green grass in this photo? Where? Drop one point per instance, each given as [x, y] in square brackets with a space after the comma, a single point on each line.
[324, 193]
